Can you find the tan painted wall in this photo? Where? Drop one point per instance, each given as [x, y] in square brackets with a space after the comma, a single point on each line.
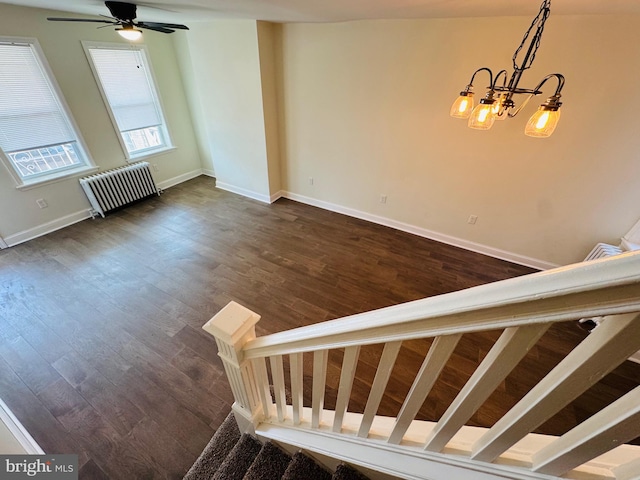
[198, 115]
[362, 108]
[365, 108]
[63, 50]
[268, 36]
[226, 66]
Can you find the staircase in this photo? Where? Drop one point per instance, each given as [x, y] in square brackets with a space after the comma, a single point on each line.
[231, 455]
[522, 309]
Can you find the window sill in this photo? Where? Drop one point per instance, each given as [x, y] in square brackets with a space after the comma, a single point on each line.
[144, 156]
[55, 178]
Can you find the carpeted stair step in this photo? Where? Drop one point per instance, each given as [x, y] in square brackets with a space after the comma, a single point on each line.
[216, 450]
[231, 456]
[270, 464]
[345, 472]
[303, 467]
[239, 460]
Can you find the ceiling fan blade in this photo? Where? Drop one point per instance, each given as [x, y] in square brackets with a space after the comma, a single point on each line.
[55, 19]
[163, 25]
[156, 29]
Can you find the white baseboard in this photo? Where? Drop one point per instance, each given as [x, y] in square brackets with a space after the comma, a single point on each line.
[48, 227]
[208, 173]
[18, 432]
[68, 220]
[261, 197]
[3, 244]
[423, 232]
[276, 196]
[180, 178]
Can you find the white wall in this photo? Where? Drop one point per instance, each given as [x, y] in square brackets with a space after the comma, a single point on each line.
[365, 108]
[20, 217]
[226, 66]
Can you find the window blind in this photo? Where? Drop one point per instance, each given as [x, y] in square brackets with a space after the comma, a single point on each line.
[125, 84]
[30, 115]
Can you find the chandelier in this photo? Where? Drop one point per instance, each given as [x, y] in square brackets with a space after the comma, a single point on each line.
[498, 102]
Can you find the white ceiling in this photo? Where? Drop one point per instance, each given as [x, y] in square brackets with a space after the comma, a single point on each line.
[182, 11]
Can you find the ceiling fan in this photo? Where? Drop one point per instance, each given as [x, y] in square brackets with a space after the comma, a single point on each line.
[123, 16]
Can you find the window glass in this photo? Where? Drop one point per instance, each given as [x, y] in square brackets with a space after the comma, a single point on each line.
[126, 82]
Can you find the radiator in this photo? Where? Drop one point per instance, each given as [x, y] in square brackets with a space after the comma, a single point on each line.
[117, 187]
[602, 250]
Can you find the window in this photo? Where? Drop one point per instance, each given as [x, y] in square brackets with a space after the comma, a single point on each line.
[124, 75]
[38, 139]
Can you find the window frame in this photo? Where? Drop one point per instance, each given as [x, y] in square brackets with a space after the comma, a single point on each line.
[168, 146]
[87, 166]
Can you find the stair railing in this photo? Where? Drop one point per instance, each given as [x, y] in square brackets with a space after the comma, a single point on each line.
[523, 308]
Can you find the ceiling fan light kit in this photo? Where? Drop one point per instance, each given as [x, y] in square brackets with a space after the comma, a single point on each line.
[498, 102]
[129, 32]
[123, 17]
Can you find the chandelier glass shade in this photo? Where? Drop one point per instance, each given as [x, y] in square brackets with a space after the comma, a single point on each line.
[498, 102]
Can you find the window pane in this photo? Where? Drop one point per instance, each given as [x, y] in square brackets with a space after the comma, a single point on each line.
[30, 163]
[142, 139]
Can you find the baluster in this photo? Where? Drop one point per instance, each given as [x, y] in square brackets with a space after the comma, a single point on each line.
[260, 367]
[385, 366]
[319, 382]
[277, 371]
[439, 353]
[346, 382]
[296, 386]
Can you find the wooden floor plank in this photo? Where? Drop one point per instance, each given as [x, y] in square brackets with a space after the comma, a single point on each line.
[101, 348]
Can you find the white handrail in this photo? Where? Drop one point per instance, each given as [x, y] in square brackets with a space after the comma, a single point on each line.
[607, 286]
[523, 308]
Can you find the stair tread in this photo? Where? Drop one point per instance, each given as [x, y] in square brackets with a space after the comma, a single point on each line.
[239, 460]
[345, 472]
[222, 442]
[303, 467]
[270, 464]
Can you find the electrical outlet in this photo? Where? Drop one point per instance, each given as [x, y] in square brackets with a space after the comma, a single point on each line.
[42, 203]
[472, 219]
[383, 199]
[310, 180]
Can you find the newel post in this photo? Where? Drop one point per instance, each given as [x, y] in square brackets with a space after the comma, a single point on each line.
[233, 327]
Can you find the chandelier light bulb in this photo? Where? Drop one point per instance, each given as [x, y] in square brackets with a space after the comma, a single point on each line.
[482, 118]
[499, 109]
[542, 123]
[463, 105]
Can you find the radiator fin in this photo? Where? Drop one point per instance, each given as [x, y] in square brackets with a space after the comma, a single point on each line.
[117, 187]
[602, 250]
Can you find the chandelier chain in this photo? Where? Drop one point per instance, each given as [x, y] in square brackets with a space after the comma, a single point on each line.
[539, 21]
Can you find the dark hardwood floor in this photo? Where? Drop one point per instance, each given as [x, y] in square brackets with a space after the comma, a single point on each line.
[101, 351]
